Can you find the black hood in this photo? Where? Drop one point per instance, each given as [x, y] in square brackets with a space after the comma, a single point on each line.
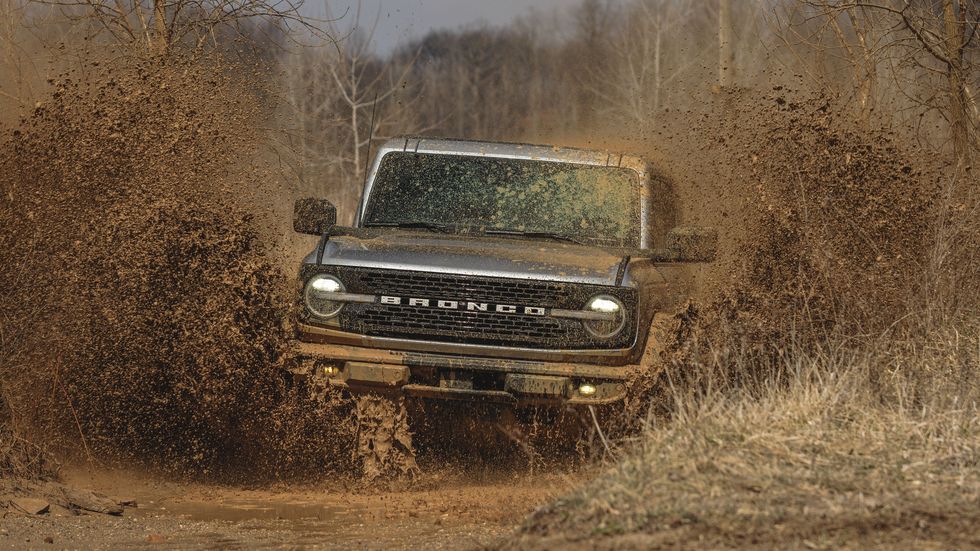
[517, 257]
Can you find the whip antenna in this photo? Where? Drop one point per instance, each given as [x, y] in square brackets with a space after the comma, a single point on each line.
[367, 159]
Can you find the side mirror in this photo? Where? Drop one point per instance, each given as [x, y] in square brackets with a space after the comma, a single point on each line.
[692, 244]
[313, 216]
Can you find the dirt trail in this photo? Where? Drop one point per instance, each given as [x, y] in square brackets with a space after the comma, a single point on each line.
[441, 511]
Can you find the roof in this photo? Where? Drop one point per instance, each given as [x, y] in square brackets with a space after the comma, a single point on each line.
[551, 153]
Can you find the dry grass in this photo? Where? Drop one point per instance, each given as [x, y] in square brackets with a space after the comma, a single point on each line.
[20, 458]
[857, 447]
[829, 397]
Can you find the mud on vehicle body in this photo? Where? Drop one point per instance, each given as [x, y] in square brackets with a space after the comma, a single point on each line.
[478, 271]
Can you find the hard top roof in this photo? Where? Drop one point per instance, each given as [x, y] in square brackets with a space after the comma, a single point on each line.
[552, 153]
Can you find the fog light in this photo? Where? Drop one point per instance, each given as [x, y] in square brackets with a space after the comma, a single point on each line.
[586, 389]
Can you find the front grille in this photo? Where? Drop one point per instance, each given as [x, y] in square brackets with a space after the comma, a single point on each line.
[483, 327]
[427, 284]
[475, 327]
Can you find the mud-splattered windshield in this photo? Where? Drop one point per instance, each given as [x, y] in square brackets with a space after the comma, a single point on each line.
[465, 194]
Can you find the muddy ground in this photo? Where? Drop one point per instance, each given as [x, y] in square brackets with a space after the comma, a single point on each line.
[447, 511]
[184, 379]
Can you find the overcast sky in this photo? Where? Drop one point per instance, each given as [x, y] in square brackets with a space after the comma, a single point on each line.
[404, 19]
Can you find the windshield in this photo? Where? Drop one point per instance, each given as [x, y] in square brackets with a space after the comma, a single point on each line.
[466, 194]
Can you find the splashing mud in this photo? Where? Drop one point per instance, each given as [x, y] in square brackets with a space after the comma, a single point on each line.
[384, 437]
[826, 231]
[837, 234]
[143, 317]
[828, 345]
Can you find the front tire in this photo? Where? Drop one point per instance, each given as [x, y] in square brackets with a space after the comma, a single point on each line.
[384, 439]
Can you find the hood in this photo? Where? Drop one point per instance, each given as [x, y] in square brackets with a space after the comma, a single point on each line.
[470, 255]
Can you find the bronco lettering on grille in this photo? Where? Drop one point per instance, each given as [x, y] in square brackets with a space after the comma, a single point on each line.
[463, 305]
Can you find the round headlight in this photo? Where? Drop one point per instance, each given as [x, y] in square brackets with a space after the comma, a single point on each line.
[606, 304]
[317, 295]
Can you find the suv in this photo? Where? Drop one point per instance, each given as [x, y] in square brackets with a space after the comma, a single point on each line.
[479, 271]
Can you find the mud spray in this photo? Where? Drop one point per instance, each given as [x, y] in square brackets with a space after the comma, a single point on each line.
[828, 234]
[144, 317]
[144, 320]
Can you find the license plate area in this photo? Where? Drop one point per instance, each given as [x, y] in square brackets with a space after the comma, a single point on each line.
[536, 385]
[359, 373]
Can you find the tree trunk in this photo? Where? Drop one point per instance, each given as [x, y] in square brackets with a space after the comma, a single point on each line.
[959, 116]
[726, 46]
[657, 78]
[866, 71]
[160, 23]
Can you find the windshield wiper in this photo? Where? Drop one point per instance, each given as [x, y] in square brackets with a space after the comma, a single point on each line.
[434, 226]
[535, 234]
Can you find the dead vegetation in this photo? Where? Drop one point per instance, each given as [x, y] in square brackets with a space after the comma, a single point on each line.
[829, 393]
[20, 458]
[825, 394]
[819, 463]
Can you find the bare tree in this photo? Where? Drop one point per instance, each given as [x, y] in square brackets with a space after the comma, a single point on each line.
[593, 22]
[158, 25]
[726, 45]
[14, 82]
[962, 121]
[342, 97]
[926, 49]
[844, 50]
[646, 54]
[486, 83]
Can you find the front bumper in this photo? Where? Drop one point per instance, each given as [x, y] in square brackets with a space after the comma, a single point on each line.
[442, 376]
[308, 332]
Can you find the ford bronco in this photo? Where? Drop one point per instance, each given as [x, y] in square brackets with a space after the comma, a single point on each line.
[509, 273]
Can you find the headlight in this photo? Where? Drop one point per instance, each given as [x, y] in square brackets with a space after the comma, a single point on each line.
[606, 304]
[317, 295]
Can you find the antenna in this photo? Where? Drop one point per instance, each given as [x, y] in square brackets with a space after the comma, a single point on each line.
[367, 159]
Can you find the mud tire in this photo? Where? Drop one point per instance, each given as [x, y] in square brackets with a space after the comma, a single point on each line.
[648, 393]
[384, 439]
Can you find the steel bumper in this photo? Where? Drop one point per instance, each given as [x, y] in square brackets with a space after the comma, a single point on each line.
[442, 376]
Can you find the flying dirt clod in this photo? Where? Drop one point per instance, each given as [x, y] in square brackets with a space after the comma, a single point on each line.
[144, 318]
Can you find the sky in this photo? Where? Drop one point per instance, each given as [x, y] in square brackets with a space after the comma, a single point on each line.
[401, 20]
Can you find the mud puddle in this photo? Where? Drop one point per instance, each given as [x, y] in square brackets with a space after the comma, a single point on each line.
[244, 510]
[326, 523]
[441, 511]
